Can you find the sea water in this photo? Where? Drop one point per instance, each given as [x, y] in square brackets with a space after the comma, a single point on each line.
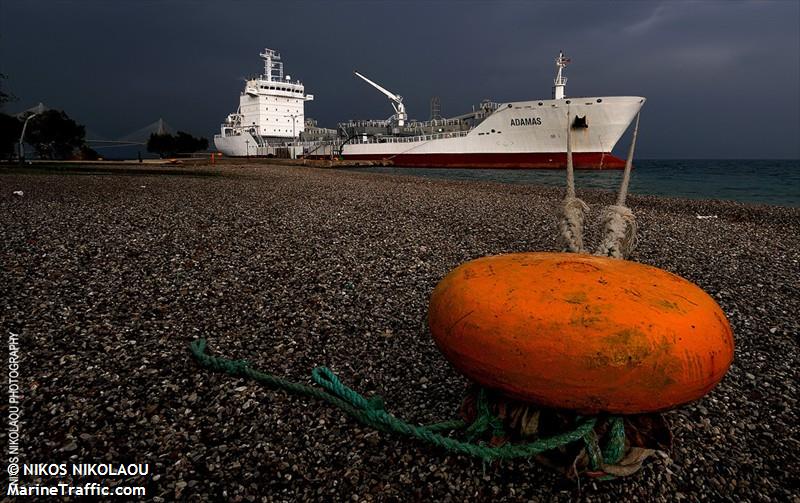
[775, 182]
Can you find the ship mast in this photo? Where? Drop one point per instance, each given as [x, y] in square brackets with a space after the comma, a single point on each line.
[397, 101]
[560, 82]
[273, 66]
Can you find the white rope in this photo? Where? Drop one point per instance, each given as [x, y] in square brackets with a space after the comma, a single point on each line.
[619, 225]
[618, 221]
[572, 218]
[574, 210]
[626, 176]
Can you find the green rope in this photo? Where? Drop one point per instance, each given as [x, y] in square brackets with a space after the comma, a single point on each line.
[592, 451]
[615, 448]
[372, 412]
[484, 420]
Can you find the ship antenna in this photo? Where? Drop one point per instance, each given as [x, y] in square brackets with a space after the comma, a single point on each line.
[560, 82]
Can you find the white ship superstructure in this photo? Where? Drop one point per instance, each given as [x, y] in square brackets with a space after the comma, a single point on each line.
[271, 113]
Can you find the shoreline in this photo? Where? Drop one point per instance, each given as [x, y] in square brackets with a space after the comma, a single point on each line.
[110, 277]
[231, 167]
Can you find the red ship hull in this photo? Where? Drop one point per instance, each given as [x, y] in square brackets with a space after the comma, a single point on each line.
[555, 160]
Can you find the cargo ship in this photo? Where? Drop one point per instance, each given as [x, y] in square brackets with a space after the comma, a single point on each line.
[521, 134]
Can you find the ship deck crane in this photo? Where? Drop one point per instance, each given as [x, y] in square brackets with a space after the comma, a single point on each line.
[397, 101]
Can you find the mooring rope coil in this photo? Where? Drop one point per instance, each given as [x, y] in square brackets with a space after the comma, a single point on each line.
[617, 220]
[619, 236]
[373, 413]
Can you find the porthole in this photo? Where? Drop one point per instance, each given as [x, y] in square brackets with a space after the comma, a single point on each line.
[509, 105]
[568, 102]
[599, 100]
[492, 130]
[540, 103]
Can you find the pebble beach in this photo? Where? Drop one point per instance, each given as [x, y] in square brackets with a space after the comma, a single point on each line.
[108, 276]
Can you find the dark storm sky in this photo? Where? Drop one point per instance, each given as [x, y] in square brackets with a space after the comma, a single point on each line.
[722, 78]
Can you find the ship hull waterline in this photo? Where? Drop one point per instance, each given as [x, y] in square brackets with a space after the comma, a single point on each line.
[526, 160]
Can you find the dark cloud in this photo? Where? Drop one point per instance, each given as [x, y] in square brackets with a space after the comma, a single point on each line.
[721, 78]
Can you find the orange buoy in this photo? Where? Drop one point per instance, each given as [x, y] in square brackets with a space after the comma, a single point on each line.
[580, 332]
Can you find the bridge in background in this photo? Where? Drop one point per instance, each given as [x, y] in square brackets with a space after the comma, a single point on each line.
[135, 138]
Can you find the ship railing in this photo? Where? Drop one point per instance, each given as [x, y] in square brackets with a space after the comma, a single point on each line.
[365, 123]
[411, 124]
[438, 122]
[409, 139]
[312, 143]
